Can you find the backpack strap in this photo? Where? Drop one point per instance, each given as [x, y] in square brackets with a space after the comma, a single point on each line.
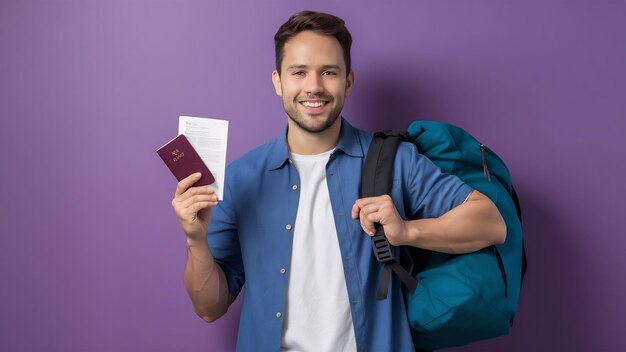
[376, 180]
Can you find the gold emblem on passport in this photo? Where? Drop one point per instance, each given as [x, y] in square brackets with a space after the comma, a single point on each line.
[177, 154]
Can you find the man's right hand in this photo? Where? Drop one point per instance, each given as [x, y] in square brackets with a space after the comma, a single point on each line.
[192, 206]
[204, 280]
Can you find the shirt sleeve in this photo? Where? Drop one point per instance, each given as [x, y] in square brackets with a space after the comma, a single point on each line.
[430, 193]
[224, 240]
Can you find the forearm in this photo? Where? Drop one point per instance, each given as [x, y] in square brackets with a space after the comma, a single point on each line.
[205, 282]
[471, 226]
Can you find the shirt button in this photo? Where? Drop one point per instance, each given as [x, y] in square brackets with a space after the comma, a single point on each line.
[282, 270]
[288, 227]
[294, 187]
[279, 314]
[331, 172]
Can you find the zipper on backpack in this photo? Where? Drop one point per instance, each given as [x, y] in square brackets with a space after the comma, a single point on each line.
[485, 168]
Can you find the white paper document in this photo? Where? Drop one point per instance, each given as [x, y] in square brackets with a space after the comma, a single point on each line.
[209, 137]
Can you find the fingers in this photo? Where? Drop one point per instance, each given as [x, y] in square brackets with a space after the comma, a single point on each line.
[184, 189]
[371, 205]
[355, 211]
[194, 195]
[186, 182]
[358, 214]
[191, 213]
[192, 206]
[188, 201]
[368, 226]
[372, 210]
[209, 199]
[369, 216]
[372, 200]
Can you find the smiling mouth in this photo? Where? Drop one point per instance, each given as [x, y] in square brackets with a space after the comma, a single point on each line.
[313, 103]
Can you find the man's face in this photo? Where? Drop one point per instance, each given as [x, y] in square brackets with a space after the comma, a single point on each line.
[313, 82]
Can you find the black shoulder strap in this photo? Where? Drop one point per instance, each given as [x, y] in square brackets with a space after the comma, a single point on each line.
[378, 168]
[376, 180]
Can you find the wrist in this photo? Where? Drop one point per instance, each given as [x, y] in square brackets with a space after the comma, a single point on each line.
[198, 251]
[197, 243]
[196, 233]
[411, 230]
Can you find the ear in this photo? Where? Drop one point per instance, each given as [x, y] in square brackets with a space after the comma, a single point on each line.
[277, 86]
[349, 82]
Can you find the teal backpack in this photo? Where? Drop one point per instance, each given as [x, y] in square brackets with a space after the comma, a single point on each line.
[457, 299]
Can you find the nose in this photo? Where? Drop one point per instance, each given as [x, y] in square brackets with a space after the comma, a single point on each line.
[314, 84]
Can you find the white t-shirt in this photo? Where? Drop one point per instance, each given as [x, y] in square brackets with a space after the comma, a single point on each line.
[317, 312]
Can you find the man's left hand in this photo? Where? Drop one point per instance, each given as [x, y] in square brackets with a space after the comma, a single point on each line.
[381, 210]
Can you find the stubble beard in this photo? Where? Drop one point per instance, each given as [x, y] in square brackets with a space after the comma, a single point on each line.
[313, 124]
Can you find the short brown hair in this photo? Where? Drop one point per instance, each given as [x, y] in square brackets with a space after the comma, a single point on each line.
[319, 22]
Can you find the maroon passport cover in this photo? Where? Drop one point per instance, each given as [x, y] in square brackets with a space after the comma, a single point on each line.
[180, 157]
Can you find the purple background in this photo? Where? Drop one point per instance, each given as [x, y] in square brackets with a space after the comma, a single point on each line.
[91, 255]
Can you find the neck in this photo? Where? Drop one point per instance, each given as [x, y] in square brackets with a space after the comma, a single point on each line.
[307, 143]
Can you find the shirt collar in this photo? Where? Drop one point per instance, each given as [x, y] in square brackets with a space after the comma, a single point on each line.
[349, 143]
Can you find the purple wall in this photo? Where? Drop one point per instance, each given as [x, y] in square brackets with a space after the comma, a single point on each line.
[91, 255]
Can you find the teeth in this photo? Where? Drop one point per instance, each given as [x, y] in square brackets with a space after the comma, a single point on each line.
[312, 104]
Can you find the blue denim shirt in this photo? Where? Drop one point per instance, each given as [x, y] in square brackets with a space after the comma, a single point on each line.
[252, 228]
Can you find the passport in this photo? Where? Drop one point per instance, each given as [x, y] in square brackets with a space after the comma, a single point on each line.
[183, 160]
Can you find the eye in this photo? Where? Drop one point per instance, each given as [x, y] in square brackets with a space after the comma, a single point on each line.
[298, 73]
[329, 73]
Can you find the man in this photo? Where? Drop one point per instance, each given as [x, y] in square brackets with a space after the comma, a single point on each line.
[290, 225]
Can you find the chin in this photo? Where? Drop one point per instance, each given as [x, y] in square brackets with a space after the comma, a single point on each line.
[314, 124]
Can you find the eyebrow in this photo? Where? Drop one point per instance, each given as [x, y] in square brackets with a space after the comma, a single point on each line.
[325, 67]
